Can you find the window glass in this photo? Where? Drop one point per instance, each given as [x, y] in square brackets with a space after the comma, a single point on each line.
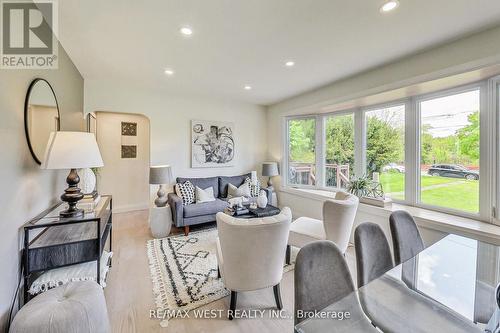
[449, 150]
[385, 149]
[302, 154]
[339, 158]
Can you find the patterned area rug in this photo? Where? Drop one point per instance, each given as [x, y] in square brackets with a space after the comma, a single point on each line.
[184, 271]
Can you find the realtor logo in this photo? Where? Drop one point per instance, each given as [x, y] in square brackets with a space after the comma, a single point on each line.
[29, 34]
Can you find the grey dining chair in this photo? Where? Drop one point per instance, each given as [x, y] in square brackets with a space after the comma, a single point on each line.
[407, 244]
[405, 236]
[322, 278]
[373, 255]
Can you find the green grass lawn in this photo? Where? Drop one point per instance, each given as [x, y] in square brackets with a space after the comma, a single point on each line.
[459, 194]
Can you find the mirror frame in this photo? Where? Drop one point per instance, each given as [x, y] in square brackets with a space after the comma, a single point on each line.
[26, 104]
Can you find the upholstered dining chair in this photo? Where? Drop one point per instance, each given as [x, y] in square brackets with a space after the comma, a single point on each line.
[338, 218]
[322, 278]
[251, 253]
[405, 236]
[373, 255]
[407, 243]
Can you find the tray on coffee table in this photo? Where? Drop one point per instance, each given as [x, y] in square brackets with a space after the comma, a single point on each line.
[269, 210]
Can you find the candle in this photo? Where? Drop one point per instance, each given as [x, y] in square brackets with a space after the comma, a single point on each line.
[376, 177]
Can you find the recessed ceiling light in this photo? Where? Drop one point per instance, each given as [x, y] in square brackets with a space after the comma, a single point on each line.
[389, 5]
[169, 72]
[289, 63]
[247, 87]
[186, 31]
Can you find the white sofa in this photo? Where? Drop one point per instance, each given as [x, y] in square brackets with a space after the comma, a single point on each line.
[251, 253]
[338, 219]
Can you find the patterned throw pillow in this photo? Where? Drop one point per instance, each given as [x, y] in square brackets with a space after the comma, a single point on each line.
[254, 190]
[234, 192]
[186, 192]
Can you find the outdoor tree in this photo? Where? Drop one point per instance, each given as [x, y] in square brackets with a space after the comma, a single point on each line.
[384, 143]
[468, 138]
[340, 140]
[302, 140]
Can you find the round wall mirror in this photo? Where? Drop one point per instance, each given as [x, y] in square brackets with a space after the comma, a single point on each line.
[41, 117]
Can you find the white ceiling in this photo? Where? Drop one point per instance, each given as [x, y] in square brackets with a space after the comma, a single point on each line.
[238, 42]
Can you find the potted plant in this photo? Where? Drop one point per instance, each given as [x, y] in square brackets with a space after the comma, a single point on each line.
[368, 191]
[360, 187]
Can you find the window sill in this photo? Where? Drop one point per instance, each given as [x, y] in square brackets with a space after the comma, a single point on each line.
[425, 218]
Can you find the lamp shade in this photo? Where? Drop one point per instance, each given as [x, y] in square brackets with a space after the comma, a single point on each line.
[161, 174]
[270, 169]
[72, 150]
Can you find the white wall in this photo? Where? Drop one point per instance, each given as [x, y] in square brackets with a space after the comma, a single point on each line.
[127, 179]
[170, 120]
[27, 190]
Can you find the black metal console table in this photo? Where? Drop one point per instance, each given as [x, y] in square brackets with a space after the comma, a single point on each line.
[51, 242]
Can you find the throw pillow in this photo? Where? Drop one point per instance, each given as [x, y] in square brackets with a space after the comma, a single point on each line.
[242, 191]
[254, 190]
[186, 192]
[205, 195]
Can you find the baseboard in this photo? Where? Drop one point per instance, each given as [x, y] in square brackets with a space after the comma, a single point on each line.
[130, 208]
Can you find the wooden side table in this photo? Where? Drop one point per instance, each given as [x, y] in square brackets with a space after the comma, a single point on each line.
[160, 221]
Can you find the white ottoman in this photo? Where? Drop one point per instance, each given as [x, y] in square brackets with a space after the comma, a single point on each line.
[75, 307]
[160, 221]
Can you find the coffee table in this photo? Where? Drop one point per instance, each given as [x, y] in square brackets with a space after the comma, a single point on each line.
[269, 210]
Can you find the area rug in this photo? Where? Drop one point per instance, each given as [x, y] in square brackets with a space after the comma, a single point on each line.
[184, 272]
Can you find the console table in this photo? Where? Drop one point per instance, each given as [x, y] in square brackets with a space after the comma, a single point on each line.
[51, 241]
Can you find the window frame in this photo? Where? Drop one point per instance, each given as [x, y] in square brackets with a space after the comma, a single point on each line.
[325, 117]
[489, 141]
[376, 107]
[286, 161]
[482, 180]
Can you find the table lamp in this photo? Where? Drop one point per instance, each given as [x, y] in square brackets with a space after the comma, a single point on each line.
[160, 175]
[270, 169]
[72, 150]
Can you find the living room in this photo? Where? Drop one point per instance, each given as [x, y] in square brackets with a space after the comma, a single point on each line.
[250, 167]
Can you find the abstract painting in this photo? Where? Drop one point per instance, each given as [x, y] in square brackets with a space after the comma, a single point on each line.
[129, 151]
[129, 129]
[212, 144]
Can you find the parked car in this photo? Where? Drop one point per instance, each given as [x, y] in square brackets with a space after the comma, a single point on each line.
[453, 171]
[393, 167]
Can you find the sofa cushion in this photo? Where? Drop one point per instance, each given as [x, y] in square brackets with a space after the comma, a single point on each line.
[203, 183]
[205, 208]
[235, 180]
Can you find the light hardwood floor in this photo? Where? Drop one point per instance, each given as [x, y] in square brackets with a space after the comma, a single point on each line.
[129, 292]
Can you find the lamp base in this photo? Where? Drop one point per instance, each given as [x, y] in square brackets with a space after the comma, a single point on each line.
[71, 196]
[161, 200]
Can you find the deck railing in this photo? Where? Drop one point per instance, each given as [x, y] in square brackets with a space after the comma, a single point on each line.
[305, 174]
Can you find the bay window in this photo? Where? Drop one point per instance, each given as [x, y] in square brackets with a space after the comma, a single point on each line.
[435, 151]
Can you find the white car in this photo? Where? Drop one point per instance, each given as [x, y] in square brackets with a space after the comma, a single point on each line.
[393, 167]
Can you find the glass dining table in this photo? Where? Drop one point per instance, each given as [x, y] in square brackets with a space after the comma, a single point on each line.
[448, 287]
